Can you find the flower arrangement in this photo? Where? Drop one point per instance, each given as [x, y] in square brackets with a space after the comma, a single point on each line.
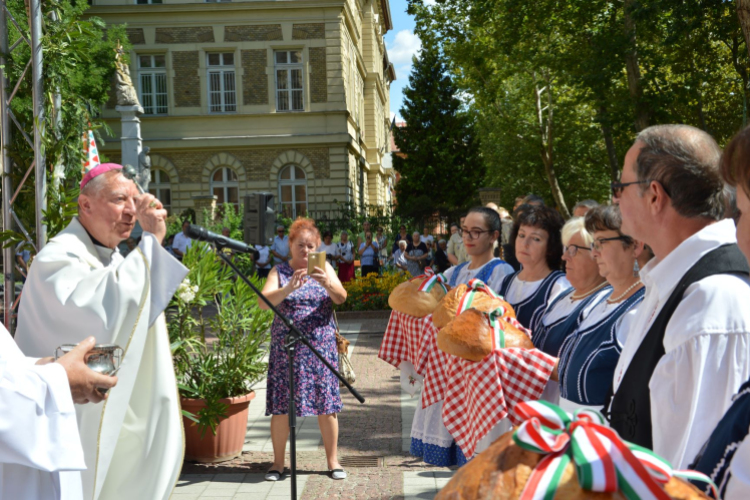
[371, 292]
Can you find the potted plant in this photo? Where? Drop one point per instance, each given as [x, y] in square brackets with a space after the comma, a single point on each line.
[218, 334]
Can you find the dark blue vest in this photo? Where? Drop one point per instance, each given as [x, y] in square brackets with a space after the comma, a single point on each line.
[716, 455]
[589, 356]
[484, 274]
[549, 338]
[530, 309]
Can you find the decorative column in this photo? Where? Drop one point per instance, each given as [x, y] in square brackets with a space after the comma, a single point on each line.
[131, 134]
[207, 202]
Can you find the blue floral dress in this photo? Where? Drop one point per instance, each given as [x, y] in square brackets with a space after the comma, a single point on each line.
[317, 389]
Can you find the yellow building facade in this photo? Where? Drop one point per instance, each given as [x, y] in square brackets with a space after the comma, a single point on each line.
[289, 97]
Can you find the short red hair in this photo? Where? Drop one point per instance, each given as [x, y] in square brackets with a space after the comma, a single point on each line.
[303, 225]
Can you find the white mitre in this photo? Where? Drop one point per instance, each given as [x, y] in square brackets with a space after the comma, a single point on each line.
[133, 443]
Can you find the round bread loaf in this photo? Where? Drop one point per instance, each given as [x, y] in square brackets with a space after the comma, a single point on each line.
[502, 470]
[469, 336]
[447, 308]
[406, 298]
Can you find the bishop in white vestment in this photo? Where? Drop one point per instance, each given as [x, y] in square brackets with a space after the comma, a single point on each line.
[80, 285]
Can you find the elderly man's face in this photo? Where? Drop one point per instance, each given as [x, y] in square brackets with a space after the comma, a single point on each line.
[454, 229]
[632, 205]
[110, 214]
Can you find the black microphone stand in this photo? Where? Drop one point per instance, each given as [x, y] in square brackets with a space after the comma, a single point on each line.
[293, 336]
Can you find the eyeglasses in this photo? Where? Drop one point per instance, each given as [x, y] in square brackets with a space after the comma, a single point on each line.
[618, 187]
[473, 234]
[597, 243]
[572, 250]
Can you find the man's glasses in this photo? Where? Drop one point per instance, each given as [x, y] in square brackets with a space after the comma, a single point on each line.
[472, 234]
[572, 250]
[618, 187]
[597, 243]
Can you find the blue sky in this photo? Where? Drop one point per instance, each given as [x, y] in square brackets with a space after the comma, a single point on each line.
[402, 44]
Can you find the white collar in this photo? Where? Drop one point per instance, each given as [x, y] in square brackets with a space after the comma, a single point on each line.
[663, 275]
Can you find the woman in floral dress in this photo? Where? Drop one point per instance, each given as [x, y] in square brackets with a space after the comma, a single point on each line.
[308, 301]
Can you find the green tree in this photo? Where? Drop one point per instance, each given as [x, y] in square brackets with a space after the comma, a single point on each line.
[441, 169]
[78, 58]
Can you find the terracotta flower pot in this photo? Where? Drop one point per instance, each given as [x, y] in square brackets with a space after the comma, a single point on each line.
[230, 433]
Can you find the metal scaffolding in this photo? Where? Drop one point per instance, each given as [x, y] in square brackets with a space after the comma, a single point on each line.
[7, 93]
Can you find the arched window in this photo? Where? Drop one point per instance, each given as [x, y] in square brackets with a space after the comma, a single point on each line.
[225, 186]
[161, 188]
[293, 191]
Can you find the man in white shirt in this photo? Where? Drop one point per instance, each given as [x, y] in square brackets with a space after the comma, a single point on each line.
[182, 241]
[280, 246]
[38, 431]
[263, 262]
[688, 350]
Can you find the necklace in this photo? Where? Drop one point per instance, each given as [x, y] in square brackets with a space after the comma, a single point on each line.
[584, 295]
[618, 299]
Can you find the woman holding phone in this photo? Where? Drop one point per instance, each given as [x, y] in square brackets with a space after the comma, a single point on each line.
[307, 299]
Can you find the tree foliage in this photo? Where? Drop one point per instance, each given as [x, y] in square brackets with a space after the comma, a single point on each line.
[441, 169]
[78, 63]
[607, 69]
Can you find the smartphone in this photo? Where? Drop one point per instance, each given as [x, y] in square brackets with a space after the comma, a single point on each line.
[315, 259]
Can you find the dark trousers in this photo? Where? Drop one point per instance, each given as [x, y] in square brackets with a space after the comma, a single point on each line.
[369, 269]
[263, 273]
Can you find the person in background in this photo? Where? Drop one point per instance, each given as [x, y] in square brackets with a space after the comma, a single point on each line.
[441, 257]
[538, 245]
[345, 257]
[131, 244]
[368, 255]
[688, 351]
[307, 299]
[182, 241]
[23, 255]
[262, 260]
[416, 254]
[534, 200]
[725, 457]
[280, 246]
[402, 236]
[361, 236]
[429, 242]
[329, 247]
[399, 256]
[507, 222]
[456, 249]
[518, 202]
[382, 242]
[580, 208]
[168, 246]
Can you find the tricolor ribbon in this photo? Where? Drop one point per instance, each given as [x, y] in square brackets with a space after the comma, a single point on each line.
[434, 279]
[603, 462]
[427, 273]
[475, 286]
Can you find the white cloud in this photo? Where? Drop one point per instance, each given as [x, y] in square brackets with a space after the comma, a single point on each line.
[405, 45]
[430, 2]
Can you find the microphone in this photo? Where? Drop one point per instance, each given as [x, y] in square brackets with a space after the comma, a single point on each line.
[221, 241]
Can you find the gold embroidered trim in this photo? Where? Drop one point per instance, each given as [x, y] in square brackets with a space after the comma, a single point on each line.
[125, 353]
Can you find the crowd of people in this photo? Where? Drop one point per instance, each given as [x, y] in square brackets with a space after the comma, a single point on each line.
[641, 303]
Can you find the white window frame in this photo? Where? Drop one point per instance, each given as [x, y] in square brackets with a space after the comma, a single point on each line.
[289, 68]
[293, 182]
[158, 187]
[225, 184]
[225, 73]
[153, 73]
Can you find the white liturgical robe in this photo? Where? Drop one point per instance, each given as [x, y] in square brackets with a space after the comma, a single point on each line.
[38, 432]
[133, 443]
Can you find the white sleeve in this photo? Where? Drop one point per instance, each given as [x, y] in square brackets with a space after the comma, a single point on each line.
[38, 426]
[691, 388]
[498, 274]
[559, 287]
[625, 323]
[449, 272]
[738, 486]
[166, 274]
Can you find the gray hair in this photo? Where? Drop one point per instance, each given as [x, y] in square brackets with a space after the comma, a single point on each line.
[402, 243]
[685, 161]
[95, 185]
[586, 203]
[576, 225]
[345, 232]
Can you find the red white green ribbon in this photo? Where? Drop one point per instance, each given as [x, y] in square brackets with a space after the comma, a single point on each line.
[603, 462]
[477, 284]
[434, 279]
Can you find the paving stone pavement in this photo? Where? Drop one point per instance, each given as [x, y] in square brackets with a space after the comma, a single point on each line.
[379, 428]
